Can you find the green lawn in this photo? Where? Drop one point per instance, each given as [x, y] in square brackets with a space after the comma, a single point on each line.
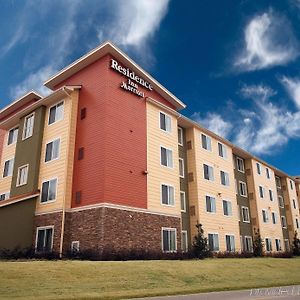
[115, 280]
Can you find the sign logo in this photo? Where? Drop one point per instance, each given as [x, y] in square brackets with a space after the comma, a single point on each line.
[133, 81]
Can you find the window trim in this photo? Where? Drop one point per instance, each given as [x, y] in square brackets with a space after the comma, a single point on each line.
[165, 131]
[279, 196]
[267, 215]
[248, 210]
[161, 198]
[270, 244]
[240, 193]
[63, 115]
[225, 173]
[228, 216]
[7, 135]
[3, 167]
[162, 239]
[48, 142]
[181, 135]
[226, 148]
[56, 190]
[183, 167]
[18, 175]
[172, 167]
[285, 222]
[274, 213]
[280, 244]
[271, 193]
[277, 177]
[210, 196]
[209, 165]
[44, 228]
[263, 192]
[244, 240]
[183, 193]
[260, 168]
[186, 241]
[230, 234]
[237, 166]
[23, 133]
[5, 193]
[207, 137]
[72, 243]
[214, 233]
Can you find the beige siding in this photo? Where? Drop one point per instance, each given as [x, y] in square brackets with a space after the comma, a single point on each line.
[158, 174]
[62, 168]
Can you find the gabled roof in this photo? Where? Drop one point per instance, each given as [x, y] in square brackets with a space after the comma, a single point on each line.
[100, 51]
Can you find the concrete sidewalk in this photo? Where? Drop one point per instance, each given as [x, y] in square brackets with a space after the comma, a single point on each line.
[285, 292]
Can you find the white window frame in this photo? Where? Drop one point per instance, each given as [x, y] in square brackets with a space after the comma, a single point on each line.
[274, 213]
[291, 185]
[217, 234]
[75, 246]
[227, 201]
[180, 136]
[224, 150]
[63, 112]
[181, 161]
[237, 165]
[12, 170]
[271, 193]
[7, 138]
[294, 203]
[226, 177]
[44, 228]
[18, 175]
[283, 224]
[161, 194]
[56, 190]
[280, 202]
[166, 116]
[209, 144]
[279, 187]
[248, 214]
[185, 234]
[6, 195]
[24, 127]
[268, 173]
[246, 188]
[251, 242]
[162, 239]
[271, 246]
[215, 205]
[263, 192]
[184, 201]
[266, 214]
[258, 167]
[59, 148]
[230, 235]
[168, 150]
[213, 175]
[297, 223]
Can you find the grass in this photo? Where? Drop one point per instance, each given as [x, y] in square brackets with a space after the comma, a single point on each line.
[116, 280]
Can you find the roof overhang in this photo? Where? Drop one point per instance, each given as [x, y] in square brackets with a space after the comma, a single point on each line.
[102, 50]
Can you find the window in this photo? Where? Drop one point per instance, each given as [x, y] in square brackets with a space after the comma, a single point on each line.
[28, 126]
[265, 216]
[213, 241]
[49, 190]
[222, 150]
[227, 208]
[278, 182]
[166, 157]
[4, 196]
[274, 217]
[12, 136]
[230, 247]
[243, 189]
[268, 244]
[180, 136]
[206, 142]
[294, 204]
[283, 222]
[167, 194]
[297, 223]
[75, 247]
[286, 245]
[22, 175]
[268, 173]
[56, 113]
[8, 167]
[291, 184]
[210, 204]
[181, 168]
[44, 239]
[83, 113]
[258, 167]
[248, 246]
[261, 192]
[52, 150]
[165, 122]
[271, 195]
[280, 201]
[208, 172]
[240, 164]
[245, 214]
[184, 241]
[169, 239]
[224, 178]
[81, 153]
[182, 201]
[278, 244]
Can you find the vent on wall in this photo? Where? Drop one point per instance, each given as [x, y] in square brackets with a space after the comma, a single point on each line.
[251, 196]
[80, 153]
[83, 113]
[248, 172]
[192, 210]
[78, 197]
[189, 145]
[191, 177]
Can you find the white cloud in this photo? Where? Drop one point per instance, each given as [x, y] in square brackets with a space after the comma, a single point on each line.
[293, 87]
[215, 123]
[269, 41]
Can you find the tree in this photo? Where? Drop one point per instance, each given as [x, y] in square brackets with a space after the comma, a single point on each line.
[296, 244]
[200, 245]
[258, 245]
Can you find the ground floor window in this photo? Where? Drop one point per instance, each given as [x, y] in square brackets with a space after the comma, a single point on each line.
[213, 241]
[75, 246]
[169, 239]
[268, 244]
[248, 245]
[44, 240]
[184, 241]
[278, 244]
[230, 245]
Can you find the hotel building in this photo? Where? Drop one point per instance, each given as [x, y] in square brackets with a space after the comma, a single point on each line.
[108, 162]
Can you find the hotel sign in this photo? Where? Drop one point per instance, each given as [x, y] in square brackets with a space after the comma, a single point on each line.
[133, 81]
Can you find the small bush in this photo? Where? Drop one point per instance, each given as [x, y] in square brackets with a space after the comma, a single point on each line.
[226, 254]
[286, 254]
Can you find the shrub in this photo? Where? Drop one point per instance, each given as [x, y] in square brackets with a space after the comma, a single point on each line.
[258, 244]
[296, 245]
[200, 246]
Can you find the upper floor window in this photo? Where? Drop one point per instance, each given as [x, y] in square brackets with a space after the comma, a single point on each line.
[12, 136]
[240, 164]
[49, 190]
[52, 150]
[268, 173]
[258, 167]
[22, 175]
[224, 178]
[243, 188]
[280, 201]
[167, 194]
[56, 113]
[182, 201]
[181, 167]
[271, 195]
[265, 216]
[297, 223]
[206, 142]
[208, 172]
[291, 184]
[283, 222]
[227, 208]
[166, 157]
[245, 214]
[210, 204]
[180, 136]
[8, 167]
[294, 204]
[165, 122]
[274, 217]
[278, 182]
[28, 126]
[261, 192]
[222, 150]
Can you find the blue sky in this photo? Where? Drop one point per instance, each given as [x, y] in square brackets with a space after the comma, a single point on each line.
[236, 64]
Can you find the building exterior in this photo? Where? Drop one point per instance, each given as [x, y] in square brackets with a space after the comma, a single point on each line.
[107, 162]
